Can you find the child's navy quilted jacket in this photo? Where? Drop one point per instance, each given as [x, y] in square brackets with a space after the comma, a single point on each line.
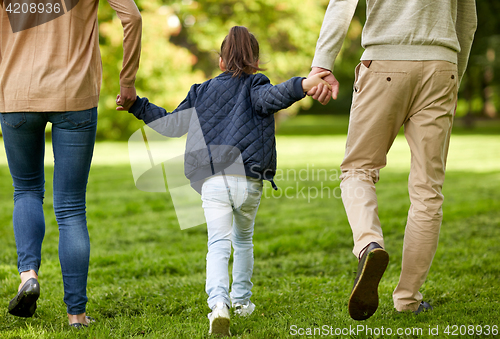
[225, 117]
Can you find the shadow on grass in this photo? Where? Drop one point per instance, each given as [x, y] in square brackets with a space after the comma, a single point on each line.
[338, 124]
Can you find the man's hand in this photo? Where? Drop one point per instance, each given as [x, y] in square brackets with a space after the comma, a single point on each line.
[322, 93]
[126, 98]
[315, 80]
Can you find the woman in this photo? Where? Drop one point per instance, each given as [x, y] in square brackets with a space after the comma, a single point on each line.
[50, 71]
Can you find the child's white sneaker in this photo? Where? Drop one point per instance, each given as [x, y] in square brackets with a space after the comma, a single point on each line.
[219, 320]
[244, 309]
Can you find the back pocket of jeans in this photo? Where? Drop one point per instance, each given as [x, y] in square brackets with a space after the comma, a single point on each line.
[78, 118]
[13, 120]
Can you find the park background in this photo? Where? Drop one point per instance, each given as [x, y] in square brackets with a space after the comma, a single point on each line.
[146, 276]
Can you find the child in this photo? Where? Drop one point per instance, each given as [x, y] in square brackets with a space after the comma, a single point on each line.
[235, 112]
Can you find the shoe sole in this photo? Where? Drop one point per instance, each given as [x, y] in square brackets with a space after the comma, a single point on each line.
[363, 301]
[220, 326]
[24, 305]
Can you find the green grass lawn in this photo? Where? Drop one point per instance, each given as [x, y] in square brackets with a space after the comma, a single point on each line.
[147, 276]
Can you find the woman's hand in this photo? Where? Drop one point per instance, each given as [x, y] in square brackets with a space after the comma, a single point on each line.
[126, 98]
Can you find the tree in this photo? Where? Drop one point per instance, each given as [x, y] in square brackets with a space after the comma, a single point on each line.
[479, 92]
[181, 41]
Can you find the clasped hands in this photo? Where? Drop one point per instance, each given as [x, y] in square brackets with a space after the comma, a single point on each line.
[126, 98]
[326, 89]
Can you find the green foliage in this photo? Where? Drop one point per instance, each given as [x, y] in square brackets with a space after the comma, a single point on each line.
[166, 70]
[480, 90]
[286, 36]
[147, 276]
[181, 40]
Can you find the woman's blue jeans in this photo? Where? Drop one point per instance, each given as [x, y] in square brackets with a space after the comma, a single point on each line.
[73, 138]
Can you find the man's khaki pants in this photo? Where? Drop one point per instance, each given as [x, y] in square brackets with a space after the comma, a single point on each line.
[421, 95]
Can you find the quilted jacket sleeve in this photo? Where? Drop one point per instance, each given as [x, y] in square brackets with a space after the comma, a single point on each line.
[173, 124]
[268, 99]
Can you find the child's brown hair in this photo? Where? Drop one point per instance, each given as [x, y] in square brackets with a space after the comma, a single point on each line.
[240, 52]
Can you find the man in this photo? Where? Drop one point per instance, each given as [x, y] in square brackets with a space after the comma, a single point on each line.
[50, 71]
[415, 55]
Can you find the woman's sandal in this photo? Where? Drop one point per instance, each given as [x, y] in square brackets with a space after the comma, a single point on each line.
[80, 325]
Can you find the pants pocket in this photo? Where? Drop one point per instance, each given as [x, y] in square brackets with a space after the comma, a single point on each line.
[14, 120]
[356, 76]
[78, 118]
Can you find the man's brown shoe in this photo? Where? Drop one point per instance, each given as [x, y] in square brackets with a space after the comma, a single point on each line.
[364, 296]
